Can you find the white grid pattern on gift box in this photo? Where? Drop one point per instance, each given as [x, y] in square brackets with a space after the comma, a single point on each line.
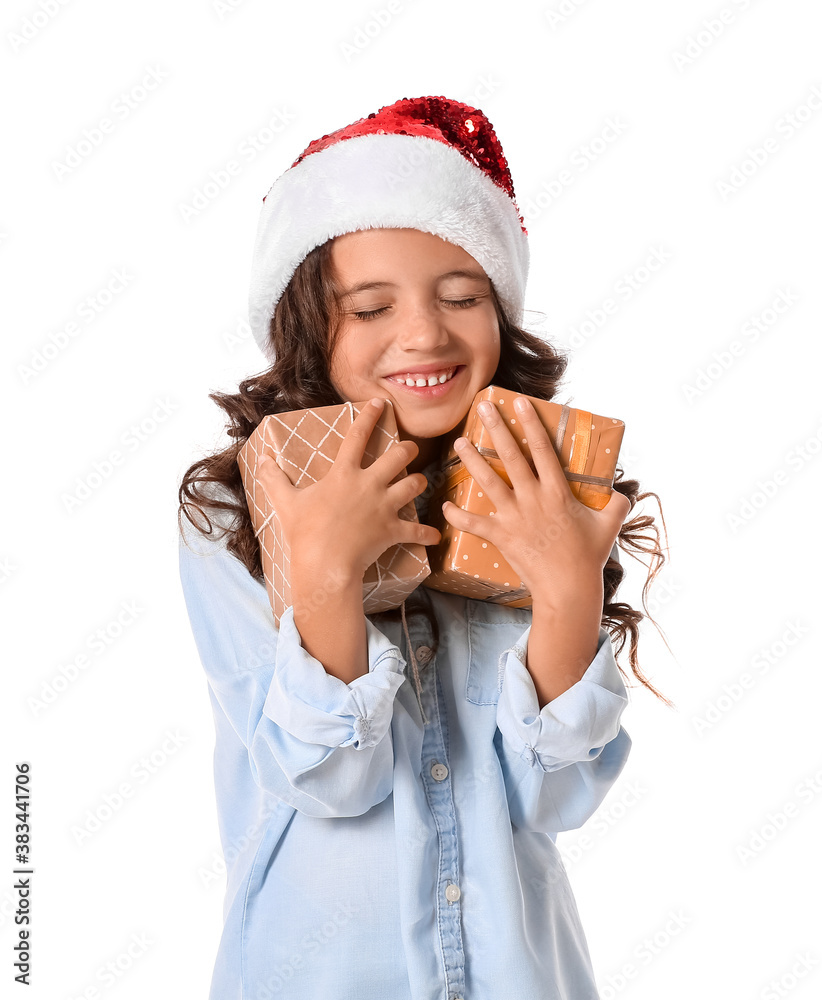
[383, 587]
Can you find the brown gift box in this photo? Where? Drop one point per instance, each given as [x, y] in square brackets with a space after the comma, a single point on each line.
[304, 443]
[588, 446]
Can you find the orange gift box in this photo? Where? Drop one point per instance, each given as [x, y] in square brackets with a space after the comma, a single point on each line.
[304, 443]
[587, 445]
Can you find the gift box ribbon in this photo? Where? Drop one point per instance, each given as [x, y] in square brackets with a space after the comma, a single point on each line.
[573, 473]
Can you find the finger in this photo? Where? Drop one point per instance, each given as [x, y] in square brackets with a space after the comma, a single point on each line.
[416, 533]
[483, 474]
[359, 433]
[611, 518]
[619, 507]
[463, 520]
[546, 461]
[272, 479]
[515, 463]
[407, 489]
[394, 460]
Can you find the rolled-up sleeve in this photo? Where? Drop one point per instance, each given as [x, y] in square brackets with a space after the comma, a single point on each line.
[314, 707]
[559, 762]
[317, 743]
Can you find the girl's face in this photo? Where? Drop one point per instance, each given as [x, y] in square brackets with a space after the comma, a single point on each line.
[413, 306]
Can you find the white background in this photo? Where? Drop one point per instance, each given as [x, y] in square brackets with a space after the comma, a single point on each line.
[671, 904]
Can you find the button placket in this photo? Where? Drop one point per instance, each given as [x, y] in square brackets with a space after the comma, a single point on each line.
[441, 803]
[419, 638]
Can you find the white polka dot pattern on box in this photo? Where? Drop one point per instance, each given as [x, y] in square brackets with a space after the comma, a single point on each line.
[464, 563]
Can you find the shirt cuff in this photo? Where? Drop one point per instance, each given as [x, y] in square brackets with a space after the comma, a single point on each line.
[574, 726]
[316, 707]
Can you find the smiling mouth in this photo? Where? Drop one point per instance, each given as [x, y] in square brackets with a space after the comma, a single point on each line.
[436, 378]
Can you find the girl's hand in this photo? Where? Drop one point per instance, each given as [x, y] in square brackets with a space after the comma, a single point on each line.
[554, 542]
[348, 518]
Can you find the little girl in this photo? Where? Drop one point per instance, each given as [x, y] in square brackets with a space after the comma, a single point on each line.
[390, 787]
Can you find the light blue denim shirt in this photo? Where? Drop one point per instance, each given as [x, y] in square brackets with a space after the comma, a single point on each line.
[369, 856]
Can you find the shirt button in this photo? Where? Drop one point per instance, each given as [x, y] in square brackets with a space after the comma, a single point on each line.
[423, 654]
[452, 893]
[439, 772]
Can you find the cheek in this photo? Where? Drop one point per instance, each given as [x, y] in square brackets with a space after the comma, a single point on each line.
[493, 345]
[340, 365]
[349, 365]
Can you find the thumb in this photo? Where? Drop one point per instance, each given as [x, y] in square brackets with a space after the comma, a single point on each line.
[616, 510]
[619, 505]
[270, 476]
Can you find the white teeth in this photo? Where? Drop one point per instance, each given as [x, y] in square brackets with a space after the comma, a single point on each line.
[431, 380]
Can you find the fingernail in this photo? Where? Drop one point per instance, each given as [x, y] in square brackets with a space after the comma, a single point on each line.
[521, 404]
[379, 403]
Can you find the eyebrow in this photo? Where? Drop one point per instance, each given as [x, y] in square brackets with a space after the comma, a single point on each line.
[364, 286]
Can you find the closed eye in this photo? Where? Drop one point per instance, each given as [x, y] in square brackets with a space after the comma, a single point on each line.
[372, 314]
[456, 303]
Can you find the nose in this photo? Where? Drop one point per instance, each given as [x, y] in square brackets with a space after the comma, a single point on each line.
[423, 328]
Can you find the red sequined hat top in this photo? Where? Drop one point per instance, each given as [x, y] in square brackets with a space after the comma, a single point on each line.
[464, 128]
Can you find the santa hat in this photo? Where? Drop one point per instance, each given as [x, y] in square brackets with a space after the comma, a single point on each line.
[423, 163]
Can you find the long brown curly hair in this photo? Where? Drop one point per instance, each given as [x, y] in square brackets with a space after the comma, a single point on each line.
[303, 332]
